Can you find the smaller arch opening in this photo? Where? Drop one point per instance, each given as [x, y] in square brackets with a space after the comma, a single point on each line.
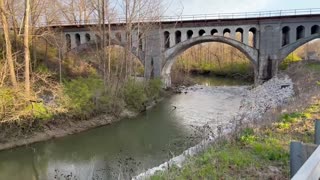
[285, 35]
[253, 37]
[315, 29]
[166, 39]
[189, 34]
[118, 36]
[178, 37]
[202, 32]
[140, 41]
[300, 32]
[68, 39]
[88, 37]
[239, 34]
[78, 39]
[226, 32]
[214, 32]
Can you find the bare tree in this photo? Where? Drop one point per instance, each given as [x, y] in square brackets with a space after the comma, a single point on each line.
[27, 49]
[4, 17]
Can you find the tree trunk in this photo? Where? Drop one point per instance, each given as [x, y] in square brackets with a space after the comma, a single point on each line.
[109, 45]
[26, 49]
[8, 45]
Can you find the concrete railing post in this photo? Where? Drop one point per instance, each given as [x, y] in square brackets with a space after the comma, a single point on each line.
[317, 132]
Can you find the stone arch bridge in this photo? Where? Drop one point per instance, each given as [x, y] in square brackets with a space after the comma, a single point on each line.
[265, 40]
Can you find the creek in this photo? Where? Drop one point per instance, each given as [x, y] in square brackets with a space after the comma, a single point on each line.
[131, 146]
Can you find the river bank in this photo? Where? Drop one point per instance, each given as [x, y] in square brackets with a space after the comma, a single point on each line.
[255, 153]
[55, 130]
[60, 128]
[253, 134]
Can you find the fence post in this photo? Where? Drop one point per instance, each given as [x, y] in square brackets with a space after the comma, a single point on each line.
[299, 154]
[317, 132]
[295, 157]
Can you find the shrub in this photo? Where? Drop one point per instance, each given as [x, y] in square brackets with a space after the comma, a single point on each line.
[247, 136]
[7, 101]
[39, 111]
[292, 58]
[12, 103]
[288, 119]
[270, 150]
[82, 95]
[154, 88]
[134, 95]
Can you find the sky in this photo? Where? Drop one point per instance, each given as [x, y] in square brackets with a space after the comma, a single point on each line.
[188, 7]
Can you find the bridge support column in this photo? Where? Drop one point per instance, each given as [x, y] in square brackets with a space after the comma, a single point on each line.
[152, 67]
[245, 37]
[268, 68]
[73, 40]
[153, 56]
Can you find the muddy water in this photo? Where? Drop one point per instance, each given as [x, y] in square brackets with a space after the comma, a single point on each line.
[131, 146]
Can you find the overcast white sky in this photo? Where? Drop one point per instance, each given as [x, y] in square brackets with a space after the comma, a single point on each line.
[187, 7]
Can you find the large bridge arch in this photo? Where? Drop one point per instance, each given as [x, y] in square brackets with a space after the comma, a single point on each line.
[286, 50]
[171, 54]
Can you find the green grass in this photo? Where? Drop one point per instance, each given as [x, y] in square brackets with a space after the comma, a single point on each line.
[252, 153]
[314, 66]
[215, 163]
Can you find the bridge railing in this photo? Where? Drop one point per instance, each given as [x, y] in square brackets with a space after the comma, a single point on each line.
[311, 168]
[216, 16]
[243, 15]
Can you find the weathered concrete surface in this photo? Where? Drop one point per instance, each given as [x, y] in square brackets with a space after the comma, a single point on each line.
[273, 38]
